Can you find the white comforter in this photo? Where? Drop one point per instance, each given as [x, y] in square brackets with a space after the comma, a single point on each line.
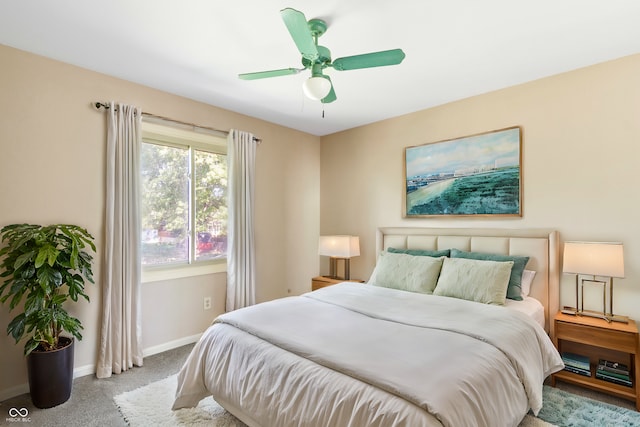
[359, 355]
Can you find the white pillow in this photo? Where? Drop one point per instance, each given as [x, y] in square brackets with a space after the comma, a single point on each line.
[406, 272]
[527, 280]
[474, 280]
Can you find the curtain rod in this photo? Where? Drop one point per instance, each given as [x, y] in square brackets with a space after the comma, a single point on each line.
[107, 106]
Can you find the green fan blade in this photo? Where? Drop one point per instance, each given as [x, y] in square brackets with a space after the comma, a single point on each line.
[299, 29]
[267, 74]
[331, 96]
[369, 60]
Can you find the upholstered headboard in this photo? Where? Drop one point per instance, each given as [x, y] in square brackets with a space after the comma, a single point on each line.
[542, 246]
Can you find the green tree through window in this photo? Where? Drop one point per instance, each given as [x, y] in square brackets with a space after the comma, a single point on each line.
[183, 202]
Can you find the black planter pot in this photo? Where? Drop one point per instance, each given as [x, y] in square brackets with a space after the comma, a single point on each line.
[51, 375]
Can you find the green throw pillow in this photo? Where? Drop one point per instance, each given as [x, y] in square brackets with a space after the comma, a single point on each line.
[420, 252]
[474, 280]
[406, 272]
[514, 291]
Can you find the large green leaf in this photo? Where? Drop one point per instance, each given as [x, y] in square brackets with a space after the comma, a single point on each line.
[297, 25]
[369, 60]
[33, 303]
[48, 278]
[17, 297]
[31, 345]
[48, 254]
[28, 272]
[22, 259]
[58, 299]
[76, 287]
[24, 234]
[15, 328]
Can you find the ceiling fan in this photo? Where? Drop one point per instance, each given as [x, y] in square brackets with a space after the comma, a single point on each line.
[316, 58]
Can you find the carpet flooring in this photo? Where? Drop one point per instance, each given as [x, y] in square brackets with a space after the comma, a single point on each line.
[91, 403]
[92, 400]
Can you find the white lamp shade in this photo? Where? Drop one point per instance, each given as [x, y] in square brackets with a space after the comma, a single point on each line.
[594, 258]
[339, 246]
[316, 88]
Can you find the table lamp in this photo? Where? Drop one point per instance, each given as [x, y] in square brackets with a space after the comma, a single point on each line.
[339, 248]
[596, 259]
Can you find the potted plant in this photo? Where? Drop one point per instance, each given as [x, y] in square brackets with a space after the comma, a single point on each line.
[42, 267]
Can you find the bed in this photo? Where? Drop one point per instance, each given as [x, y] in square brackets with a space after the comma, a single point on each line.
[377, 355]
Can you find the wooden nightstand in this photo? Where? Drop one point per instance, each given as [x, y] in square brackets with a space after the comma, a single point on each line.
[322, 281]
[597, 339]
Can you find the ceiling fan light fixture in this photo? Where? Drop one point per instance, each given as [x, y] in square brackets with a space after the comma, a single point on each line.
[316, 88]
[316, 58]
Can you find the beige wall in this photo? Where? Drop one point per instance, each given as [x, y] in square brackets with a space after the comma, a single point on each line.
[52, 145]
[581, 154]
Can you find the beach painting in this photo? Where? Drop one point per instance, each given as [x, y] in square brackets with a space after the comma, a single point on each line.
[473, 175]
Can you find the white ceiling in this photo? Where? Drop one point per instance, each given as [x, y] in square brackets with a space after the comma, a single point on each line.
[196, 48]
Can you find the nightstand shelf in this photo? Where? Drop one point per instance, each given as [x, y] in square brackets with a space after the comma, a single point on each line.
[322, 281]
[598, 339]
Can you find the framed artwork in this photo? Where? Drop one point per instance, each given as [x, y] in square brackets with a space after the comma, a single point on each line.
[475, 175]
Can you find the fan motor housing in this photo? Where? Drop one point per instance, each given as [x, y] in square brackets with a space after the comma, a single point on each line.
[324, 58]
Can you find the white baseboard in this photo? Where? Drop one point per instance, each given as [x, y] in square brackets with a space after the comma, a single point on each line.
[84, 370]
[8, 393]
[91, 369]
[170, 345]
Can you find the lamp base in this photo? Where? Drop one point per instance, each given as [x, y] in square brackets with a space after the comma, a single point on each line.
[596, 314]
[616, 318]
[572, 311]
[333, 268]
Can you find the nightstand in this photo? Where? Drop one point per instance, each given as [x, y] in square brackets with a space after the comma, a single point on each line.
[597, 339]
[322, 281]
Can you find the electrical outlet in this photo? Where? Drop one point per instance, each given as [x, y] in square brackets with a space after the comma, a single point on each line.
[207, 303]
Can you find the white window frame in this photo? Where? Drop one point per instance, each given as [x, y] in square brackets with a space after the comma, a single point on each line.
[199, 139]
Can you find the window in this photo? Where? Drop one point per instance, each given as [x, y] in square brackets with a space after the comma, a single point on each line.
[183, 197]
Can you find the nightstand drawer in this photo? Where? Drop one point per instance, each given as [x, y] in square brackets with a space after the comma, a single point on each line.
[618, 340]
[317, 284]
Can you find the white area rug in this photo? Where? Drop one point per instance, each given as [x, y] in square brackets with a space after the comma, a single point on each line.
[151, 406]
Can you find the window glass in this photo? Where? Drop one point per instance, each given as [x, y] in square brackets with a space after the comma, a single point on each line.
[164, 204]
[183, 197]
[210, 180]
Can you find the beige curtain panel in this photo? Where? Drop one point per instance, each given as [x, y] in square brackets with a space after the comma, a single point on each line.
[241, 270]
[120, 340]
